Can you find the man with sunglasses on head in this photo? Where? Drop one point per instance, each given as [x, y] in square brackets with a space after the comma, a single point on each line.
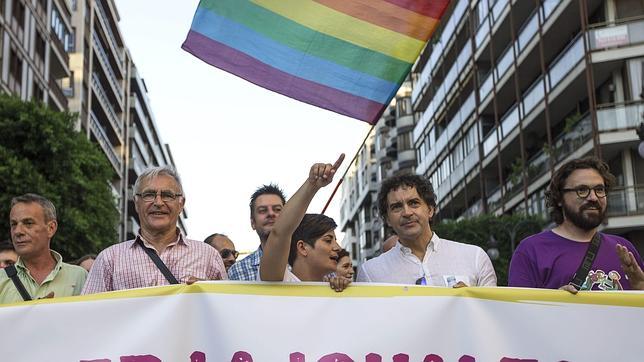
[160, 254]
[552, 259]
[407, 204]
[225, 247]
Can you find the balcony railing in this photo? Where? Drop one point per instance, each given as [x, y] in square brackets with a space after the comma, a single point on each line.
[58, 92]
[59, 47]
[110, 33]
[626, 201]
[102, 55]
[111, 114]
[616, 35]
[620, 116]
[104, 142]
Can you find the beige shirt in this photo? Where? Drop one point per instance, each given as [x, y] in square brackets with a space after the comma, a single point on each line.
[64, 280]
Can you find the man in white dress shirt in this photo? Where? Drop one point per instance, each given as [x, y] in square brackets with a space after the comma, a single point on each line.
[407, 204]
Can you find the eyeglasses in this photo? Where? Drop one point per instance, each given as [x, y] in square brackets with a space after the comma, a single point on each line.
[166, 196]
[583, 191]
[225, 253]
[421, 281]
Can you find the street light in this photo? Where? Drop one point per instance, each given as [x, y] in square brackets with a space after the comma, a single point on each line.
[512, 233]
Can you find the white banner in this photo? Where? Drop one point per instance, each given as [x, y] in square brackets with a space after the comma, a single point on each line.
[243, 322]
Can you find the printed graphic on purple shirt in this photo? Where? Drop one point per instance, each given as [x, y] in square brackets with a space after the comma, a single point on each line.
[547, 260]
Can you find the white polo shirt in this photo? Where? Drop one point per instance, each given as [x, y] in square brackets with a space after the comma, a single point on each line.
[445, 263]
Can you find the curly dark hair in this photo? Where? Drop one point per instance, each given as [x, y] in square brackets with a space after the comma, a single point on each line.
[422, 185]
[554, 194]
[312, 227]
[342, 253]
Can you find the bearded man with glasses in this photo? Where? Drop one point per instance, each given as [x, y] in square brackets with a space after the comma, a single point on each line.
[577, 201]
[160, 254]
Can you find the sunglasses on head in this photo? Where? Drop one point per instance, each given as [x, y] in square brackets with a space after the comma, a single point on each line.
[225, 253]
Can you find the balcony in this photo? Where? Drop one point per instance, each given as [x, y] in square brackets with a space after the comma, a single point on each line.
[110, 32]
[612, 35]
[626, 201]
[58, 94]
[61, 68]
[620, 116]
[104, 59]
[104, 142]
[107, 105]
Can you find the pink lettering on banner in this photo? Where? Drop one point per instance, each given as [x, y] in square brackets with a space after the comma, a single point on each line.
[467, 358]
[297, 357]
[197, 356]
[433, 358]
[508, 359]
[242, 356]
[401, 357]
[335, 357]
[372, 357]
[144, 358]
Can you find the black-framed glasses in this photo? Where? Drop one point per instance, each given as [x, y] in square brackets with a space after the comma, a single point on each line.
[421, 281]
[225, 253]
[166, 196]
[583, 191]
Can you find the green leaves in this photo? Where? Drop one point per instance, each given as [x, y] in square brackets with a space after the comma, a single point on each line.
[490, 231]
[41, 153]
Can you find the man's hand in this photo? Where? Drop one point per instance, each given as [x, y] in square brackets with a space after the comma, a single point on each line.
[321, 174]
[459, 285]
[569, 288]
[337, 283]
[192, 279]
[48, 296]
[631, 267]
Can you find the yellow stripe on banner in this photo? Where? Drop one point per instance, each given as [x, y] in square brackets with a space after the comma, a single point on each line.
[339, 25]
[313, 290]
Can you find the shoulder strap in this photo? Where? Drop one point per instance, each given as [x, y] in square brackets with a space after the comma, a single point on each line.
[582, 272]
[159, 263]
[13, 274]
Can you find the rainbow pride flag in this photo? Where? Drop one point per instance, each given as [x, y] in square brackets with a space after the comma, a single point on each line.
[348, 56]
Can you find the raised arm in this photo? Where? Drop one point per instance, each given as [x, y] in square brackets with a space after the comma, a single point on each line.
[273, 263]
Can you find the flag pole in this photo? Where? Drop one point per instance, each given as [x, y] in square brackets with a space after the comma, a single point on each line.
[347, 169]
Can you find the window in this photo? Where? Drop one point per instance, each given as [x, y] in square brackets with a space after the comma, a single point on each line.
[404, 141]
[38, 94]
[18, 13]
[15, 72]
[41, 48]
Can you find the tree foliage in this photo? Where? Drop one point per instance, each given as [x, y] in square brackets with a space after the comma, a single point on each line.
[41, 153]
[479, 230]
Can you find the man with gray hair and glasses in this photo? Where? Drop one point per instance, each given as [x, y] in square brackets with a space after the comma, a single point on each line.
[39, 271]
[160, 254]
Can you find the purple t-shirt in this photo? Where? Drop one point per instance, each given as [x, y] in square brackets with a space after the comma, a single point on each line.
[547, 260]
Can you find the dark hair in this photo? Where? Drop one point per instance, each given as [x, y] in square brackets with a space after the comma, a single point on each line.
[48, 207]
[312, 227]
[554, 194]
[422, 185]
[209, 239]
[342, 253]
[270, 189]
[6, 245]
[83, 258]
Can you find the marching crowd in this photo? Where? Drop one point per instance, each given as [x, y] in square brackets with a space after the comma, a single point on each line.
[296, 246]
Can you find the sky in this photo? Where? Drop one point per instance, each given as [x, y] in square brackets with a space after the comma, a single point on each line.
[228, 136]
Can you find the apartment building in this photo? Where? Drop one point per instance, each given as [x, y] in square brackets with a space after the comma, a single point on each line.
[387, 151]
[508, 90]
[35, 36]
[111, 100]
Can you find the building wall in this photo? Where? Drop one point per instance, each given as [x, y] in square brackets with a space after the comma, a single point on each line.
[511, 89]
[34, 40]
[387, 151]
